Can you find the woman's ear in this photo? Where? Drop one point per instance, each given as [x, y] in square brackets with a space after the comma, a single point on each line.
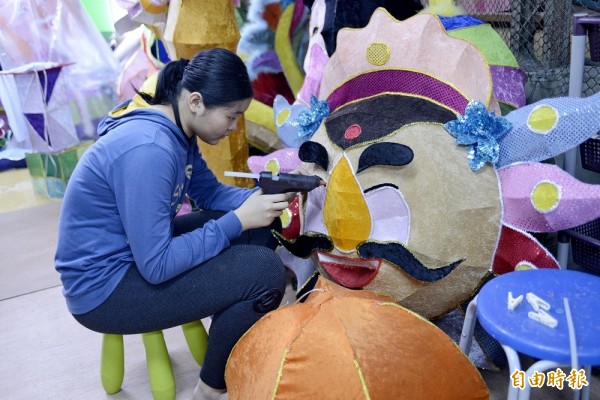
[196, 103]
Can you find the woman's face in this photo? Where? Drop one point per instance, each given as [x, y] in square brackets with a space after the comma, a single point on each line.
[215, 123]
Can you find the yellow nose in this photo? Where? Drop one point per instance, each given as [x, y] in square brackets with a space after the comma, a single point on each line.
[345, 212]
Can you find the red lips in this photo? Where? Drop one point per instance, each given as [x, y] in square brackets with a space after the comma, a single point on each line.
[353, 273]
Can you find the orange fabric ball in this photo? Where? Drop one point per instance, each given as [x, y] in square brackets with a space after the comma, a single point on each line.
[349, 344]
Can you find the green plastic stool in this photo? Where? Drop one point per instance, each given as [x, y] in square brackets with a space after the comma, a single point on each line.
[160, 371]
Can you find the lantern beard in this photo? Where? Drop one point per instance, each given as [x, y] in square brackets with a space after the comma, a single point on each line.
[394, 253]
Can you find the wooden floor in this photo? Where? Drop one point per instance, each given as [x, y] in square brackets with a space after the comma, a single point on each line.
[46, 354]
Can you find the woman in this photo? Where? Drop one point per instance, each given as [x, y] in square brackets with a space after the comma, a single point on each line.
[127, 263]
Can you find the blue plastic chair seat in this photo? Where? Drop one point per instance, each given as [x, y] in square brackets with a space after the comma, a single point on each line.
[516, 330]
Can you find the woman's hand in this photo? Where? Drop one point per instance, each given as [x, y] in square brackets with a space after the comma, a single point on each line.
[261, 209]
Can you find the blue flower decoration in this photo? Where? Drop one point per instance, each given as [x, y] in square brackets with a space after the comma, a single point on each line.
[480, 130]
[309, 121]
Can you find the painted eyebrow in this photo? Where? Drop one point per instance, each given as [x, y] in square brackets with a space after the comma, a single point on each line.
[385, 153]
[313, 152]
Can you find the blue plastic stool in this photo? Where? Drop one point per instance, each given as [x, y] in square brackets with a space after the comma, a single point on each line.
[160, 371]
[520, 334]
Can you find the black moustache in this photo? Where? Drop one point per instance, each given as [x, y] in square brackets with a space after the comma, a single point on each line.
[402, 258]
[394, 253]
[304, 245]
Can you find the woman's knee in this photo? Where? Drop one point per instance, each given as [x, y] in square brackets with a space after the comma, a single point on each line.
[270, 265]
[267, 265]
[261, 267]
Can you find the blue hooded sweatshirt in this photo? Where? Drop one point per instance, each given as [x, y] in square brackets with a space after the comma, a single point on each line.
[120, 204]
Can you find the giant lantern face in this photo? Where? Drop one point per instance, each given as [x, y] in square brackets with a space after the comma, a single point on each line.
[395, 222]
[406, 211]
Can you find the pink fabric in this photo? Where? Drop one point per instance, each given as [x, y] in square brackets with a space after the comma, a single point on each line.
[134, 73]
[579, 202]
[286, 158]
[313, 214]
[186, 207]
[390, 216]
[317, 58]
[419, 43]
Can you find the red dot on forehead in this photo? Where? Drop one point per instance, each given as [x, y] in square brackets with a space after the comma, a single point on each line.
[352, 132]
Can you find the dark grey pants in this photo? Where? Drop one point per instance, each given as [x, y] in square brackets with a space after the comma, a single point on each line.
[237, 287]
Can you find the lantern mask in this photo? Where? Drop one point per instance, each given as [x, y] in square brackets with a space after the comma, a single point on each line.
[409, 210]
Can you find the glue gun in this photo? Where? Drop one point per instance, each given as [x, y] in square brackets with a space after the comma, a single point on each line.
[281, 183]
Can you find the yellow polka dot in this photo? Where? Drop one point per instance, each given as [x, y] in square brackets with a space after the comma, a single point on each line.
[286, 218]
[378, 53]
[543, 119]
[273, 166]
[524, 265]
[283, 116]
[545, 196]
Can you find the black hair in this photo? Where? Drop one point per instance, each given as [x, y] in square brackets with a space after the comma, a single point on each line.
[219, 75]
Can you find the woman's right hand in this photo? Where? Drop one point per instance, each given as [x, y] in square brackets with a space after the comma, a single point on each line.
[261, 209]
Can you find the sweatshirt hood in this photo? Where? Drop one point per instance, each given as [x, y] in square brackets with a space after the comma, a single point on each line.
[138, 109]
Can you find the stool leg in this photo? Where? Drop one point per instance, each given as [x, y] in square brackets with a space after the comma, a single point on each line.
[112, 363]
[466, 336]
[585, 391]
[538, 366]
[563, 248]
[197, 339]
[514, 363]
[160, 371]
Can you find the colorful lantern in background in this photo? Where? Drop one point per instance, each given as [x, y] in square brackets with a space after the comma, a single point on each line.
[28, 39]
[39, 106]
[193, 26]
[267, 23]
[152, 13]
[345, 344]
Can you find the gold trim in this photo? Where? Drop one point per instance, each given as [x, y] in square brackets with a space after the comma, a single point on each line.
[279, 374]
[363, 382]
[299, 289]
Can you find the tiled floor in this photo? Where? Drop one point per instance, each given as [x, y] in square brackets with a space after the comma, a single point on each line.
[45, 354]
